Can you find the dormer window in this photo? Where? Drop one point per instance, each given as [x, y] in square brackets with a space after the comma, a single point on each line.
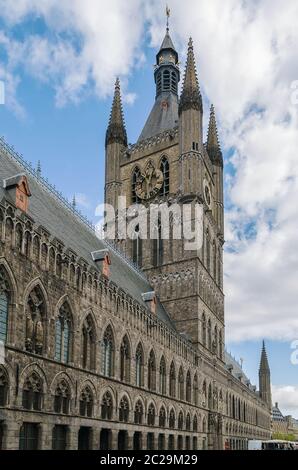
[18, 188]
[102, 257]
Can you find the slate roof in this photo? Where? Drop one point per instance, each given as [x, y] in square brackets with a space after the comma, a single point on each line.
[162, 117]
[61, 221]
[237, 370]
[167, 43]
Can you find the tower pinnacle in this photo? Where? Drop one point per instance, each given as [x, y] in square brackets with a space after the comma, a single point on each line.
[116, 131]
[191, 96]
[264, 378]
[213, 145]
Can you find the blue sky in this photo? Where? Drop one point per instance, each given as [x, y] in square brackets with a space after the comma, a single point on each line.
[59, 69]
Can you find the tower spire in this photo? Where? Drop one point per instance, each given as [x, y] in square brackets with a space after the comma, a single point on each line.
[116, 131]
[213, 145]
[264, 378]
[191, 96]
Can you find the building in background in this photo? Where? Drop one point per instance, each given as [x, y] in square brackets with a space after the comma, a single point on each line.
[283, 426]
[123, 347]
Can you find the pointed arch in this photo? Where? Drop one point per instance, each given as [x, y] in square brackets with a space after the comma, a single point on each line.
[64, 333]
[36, 314]
[107, 406]
[138, 412]
[32, 392]
[136, 174]
[124, 409]
[172, 387]
[86, 402]
[162, 376]
[108, 351]
[188, 387]
[165, 169]
[162, 417]
[181, 384]
[172, 419]
[125, 359]
[139, 359]
[151, 414]
[152, 371]
[88, 342]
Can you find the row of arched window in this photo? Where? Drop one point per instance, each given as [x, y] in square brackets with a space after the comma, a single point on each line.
[35, 340]
[33, 395]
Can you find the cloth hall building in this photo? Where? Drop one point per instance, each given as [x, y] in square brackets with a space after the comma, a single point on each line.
[122, 345]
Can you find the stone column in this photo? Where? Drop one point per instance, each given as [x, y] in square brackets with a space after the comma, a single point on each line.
[114, 439]
[73, 438]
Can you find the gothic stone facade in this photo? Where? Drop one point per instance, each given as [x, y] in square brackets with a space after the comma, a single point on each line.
[89, 362]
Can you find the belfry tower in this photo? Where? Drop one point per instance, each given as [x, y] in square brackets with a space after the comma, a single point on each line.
[172, 164]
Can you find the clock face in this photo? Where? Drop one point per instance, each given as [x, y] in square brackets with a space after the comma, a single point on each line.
[207, 194]
[149, 183]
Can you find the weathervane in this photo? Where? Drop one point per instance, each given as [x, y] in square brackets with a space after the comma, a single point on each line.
[168, 12]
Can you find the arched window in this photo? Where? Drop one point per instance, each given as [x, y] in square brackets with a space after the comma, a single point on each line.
[32, 393]
[214, 261]
[86, 403]
[4, 304]
[3, 387]
[208, 254]
[162, 376]
[137, 247]
[63, 334]
[187, 424]
[107, 406]
[210, 400]
[162, 417]
[108, 353]
[172, 419]
[165, 169]
[209, 335]
[139, 366]
[62, 398]
[195, 390]
[188, 387]
[181, 384]
[157, 252]
[204, 425]
[27, 244]
[195, 424]
[158, 83]
[172, 381]
[135, 178]
[19, 238]
[125, 360]
[180, 421]
[220, 344]
[138, 418]
[124, 410]
[204, 393]
[152, 371]
[151, 415]
[35, 322]
[88, 344]
[204, 335]
[215, 341]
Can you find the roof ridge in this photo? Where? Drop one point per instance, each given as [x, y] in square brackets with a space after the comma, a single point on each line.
[47, 186]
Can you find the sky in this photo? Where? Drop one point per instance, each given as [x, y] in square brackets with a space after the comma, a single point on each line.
[59, 61]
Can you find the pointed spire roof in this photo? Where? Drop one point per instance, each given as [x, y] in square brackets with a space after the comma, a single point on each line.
[213, 145]
[116, 131]
[191, 96]
[167, 43]
[264, 365]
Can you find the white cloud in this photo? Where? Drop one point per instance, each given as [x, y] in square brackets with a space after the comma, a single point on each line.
[287, 398]
[247, 60]
[82, 200]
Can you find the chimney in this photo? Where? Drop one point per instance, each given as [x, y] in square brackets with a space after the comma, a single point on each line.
[150, 300]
